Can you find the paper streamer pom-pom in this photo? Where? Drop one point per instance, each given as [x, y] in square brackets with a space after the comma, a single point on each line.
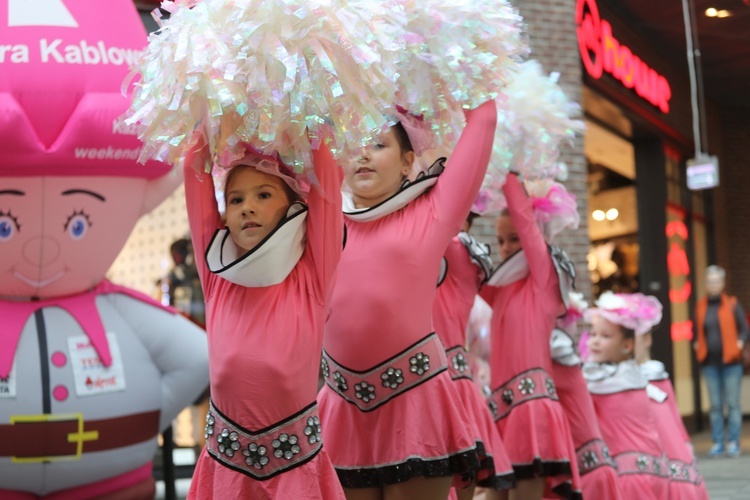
[533, 122]
[276, 75]
[459, 54]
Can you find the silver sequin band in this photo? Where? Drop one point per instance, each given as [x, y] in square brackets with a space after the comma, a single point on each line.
[684, 472]
[531, 384]
[458, 363]
[268, 452]
[378, 385]
[593, 455]
[634, 462]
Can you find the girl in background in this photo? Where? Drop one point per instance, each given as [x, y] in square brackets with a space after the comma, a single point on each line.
[467, 266]
[525, 296]
[618, 390]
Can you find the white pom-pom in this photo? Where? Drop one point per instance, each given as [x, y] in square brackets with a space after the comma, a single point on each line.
[459, 54]
[533, 121]
[275, 75]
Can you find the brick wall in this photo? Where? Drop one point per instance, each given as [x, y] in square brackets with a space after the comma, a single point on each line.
[552, 35]
[732, 202]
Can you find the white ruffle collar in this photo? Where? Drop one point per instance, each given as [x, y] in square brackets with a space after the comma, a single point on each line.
[563, 348]
[270, 262]
[409, 191]
[611, 378]
[512, 269]
[479, 253]
[654, 370]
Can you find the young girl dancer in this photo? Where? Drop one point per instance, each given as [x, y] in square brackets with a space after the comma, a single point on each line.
[618, 390]
[524, 399]
[467, 266]
[394, 426]
[598, 476]
[266, 277]
[685, 478]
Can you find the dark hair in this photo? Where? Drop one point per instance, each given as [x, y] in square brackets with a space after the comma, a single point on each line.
[402, 137]
[471, 217]
[505, 212]
[627, 333]
[180, 248]
[291, 194]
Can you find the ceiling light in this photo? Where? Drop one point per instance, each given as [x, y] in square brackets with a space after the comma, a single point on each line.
[723, 13]
[612, 214]
[598, 215]
[711, 12]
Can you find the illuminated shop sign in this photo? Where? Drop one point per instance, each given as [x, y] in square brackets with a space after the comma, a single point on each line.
[602, 52]
[680, 286]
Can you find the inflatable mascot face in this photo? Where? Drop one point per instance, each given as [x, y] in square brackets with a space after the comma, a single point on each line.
[89, 372]
[71, 190]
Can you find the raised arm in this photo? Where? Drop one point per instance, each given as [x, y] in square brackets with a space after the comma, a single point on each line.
[325, 222]
[534, 247]
[454, 193]
[203, 213]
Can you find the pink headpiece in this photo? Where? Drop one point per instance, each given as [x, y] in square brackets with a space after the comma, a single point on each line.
[577, 306]
[421, 136]
[555, 208]
[269, 165]
[636, 311]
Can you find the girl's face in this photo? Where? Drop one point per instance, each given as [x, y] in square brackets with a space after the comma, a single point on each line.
[378, 173]
[607, 342]
[507, 239]
[256, 203]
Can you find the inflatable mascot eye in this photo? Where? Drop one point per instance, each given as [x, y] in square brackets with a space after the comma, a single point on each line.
[8, 226]
[77, 225]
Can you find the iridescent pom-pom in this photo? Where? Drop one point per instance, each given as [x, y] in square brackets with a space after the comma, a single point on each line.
[533, 123]
[275, 75]
[458, 55]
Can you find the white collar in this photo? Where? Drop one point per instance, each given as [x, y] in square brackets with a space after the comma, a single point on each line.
[654, 370]
[409, 191]
[611, 378]
[566, 272]
[270, 262]
[656, 394]
[563, 349]
[479, 253]
[512, 269]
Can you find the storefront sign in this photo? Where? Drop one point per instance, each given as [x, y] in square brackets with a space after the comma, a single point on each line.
[680, 286]
[602, 52]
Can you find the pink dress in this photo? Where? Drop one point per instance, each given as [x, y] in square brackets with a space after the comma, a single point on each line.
[386, 373]
[453, 303]
[263, 349]
[598, 476]
[524, 400]
[685, 479]
[629, 428]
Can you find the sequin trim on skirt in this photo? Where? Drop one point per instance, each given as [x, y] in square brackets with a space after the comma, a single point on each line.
[531, 384]
[374, 387]
[635, 462]
[593, 455]
[268, 452]
[458, 363]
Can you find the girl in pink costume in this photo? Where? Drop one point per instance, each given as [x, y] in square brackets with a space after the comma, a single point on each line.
[467, 267]
[386, 374]
[620, 396]
[525, 296]
[598, 476]
[685, 478]
[266, 277]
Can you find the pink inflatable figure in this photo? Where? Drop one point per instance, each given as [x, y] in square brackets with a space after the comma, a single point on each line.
[90, 372]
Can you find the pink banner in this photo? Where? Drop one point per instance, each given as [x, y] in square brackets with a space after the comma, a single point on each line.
[62, 64]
